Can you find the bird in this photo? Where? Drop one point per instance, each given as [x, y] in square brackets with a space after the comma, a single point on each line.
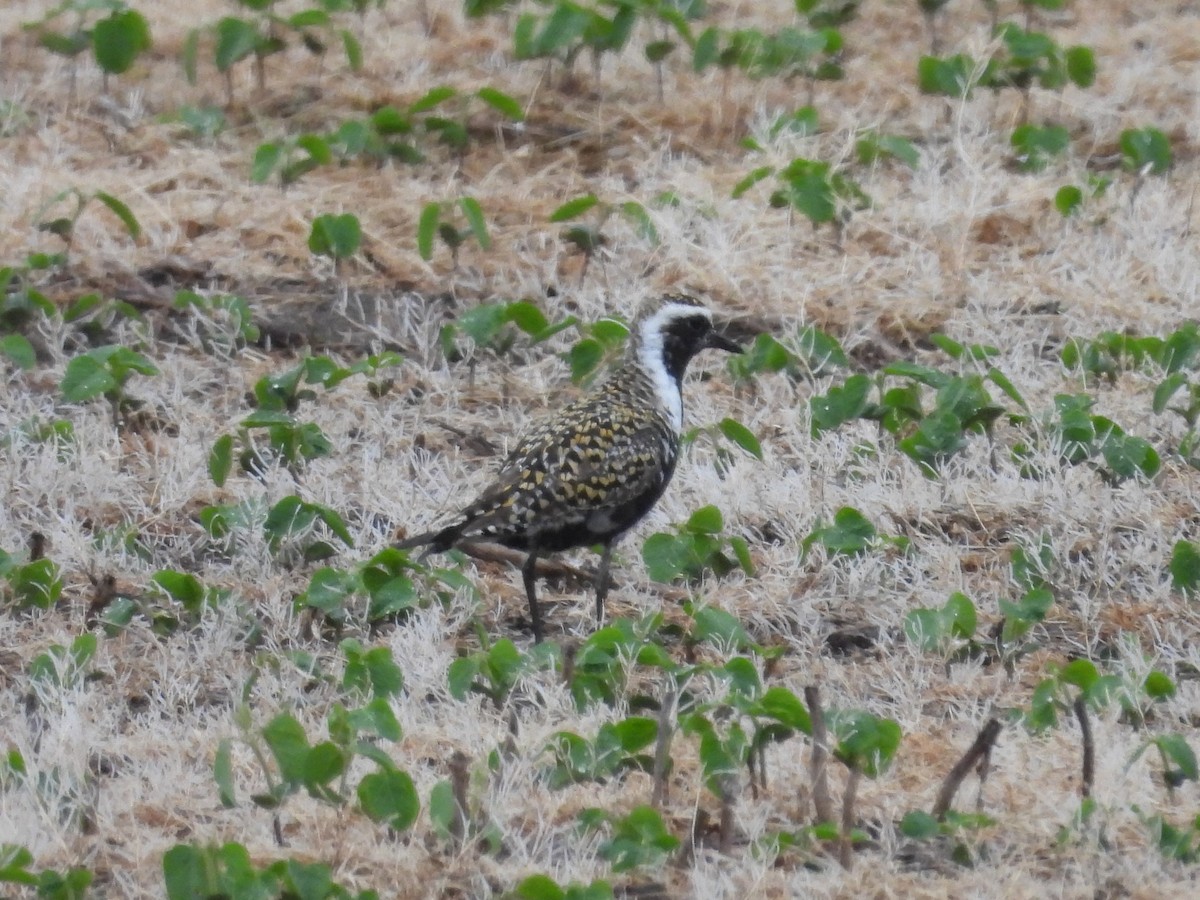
[588, 473]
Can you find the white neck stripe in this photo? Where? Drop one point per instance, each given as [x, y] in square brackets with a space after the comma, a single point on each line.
[650, 356]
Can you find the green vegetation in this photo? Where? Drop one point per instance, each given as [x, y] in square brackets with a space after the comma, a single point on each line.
[647, 738]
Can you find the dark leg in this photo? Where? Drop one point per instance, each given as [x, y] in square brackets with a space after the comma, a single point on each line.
[535, 615]
[602, 582]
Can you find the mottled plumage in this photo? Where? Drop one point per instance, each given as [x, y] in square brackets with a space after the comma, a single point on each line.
[587, 474]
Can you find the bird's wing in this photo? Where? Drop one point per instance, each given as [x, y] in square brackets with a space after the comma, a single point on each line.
[570, 469]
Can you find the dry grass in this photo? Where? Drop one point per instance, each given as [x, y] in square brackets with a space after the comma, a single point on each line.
[964, 246]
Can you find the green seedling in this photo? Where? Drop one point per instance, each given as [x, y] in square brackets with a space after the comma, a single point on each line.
[200, 123]
[601, 343]
[850, 534]
[225, 321]
[1145, 151]
[1070, 198]
[543, 887]
[495, 670]
[193, 870]
[952, 76]
[496, 327]
[370, 674]
[65, 667]
[104, 372]
[64, 225]
[948, 630]
[1178, 843]
[290, 158]
[812, 188]
[15, 862]
[639, 838]
[568, 29]
[873, 148]
[1185, 568]
[1055, 695]
[809, 354]
[22, 304]
[337, 237]
[264, 33]
[445, 113]
[789, 53]
[441, 220]
[289, 527]
[863, 742]
[174, 599]
[600, 669]
[382, 136]
[116, 40]
[618, 747]
[1078, 436]
[390, 583]
[288, 440]
[1178, 759]
[1112, 352]
[695, 548]
[803, 122]
[727, 431]
[588, 237]
[1037, 146]
[36, 584]
[323, 769]
[955, 828]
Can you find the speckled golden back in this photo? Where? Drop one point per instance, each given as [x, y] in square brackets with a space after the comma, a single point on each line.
[587, 474]
[584, 474]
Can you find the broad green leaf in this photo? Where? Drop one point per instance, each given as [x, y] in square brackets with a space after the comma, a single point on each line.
[223, 774]
[1159, 686]
[336, 236]
[919, 825]
[389, 796]
[502, 103]
[87, 376]
[786, 708]
[322, 764]
[752, 179]
[433, 98]
[289, 745]
[118, 39]
[427, 228]
[574, 208]
[220, 460]
[353, 50]
[474, 216]
[950, 77]
[1175, 748]
[236, 39]
[1185, 568]
[18, 349]
[706, 520]
[267, 159]
[1081, 66]
[742, 436]
[1146, 149]
[1068, 199]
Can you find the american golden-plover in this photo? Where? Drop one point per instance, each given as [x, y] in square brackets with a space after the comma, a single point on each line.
[587, 474]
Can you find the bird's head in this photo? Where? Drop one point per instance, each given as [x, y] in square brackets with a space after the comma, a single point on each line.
[670, 330]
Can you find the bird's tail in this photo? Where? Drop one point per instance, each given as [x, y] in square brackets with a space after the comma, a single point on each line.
[433, 541]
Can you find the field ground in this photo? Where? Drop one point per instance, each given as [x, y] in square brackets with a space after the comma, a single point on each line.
[964, 244]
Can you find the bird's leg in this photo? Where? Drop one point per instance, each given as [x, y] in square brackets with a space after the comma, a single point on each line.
[602, 582]
[535, 615]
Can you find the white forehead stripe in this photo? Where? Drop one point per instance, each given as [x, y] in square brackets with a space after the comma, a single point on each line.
[650, 332]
